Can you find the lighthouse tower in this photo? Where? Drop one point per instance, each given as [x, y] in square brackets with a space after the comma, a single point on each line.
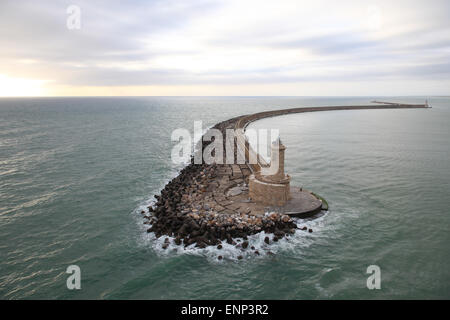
[271, 186]
[276, 169]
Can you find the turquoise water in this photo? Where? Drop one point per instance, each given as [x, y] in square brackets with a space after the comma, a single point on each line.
[75, 172]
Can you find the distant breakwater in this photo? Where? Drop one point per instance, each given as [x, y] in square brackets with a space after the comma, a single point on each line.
[199, 206]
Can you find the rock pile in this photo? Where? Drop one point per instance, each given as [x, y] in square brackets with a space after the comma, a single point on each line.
[185, 211]
[179, 212]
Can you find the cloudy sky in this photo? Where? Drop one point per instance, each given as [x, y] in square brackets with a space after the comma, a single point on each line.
[202, 47]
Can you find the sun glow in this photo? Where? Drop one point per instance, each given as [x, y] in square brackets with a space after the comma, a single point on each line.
[21, 87]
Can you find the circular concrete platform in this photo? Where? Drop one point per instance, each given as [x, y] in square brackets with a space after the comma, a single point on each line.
[302, 204]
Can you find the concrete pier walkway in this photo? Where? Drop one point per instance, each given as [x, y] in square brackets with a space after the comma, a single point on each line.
[209, 203]
[303, 202]
[228, 193]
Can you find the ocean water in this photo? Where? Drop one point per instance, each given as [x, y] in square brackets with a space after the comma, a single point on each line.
[75, 173]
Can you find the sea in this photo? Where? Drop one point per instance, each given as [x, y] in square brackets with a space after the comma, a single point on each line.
[76, 172]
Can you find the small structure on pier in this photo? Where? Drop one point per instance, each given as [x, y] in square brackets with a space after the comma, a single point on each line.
[271, 186]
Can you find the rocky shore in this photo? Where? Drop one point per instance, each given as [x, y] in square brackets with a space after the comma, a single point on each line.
[207, 204]
[194, 207]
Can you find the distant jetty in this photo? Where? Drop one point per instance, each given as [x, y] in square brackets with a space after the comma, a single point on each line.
[210, 203]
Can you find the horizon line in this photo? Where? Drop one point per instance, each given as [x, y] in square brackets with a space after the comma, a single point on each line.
[225, 96]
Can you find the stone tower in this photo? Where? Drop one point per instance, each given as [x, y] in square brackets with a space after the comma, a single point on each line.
[271, 186]
[276, 170]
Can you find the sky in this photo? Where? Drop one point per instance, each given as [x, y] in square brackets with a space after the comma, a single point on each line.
[224, 48]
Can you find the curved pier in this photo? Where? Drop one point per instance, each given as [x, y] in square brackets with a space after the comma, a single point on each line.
[209, 203]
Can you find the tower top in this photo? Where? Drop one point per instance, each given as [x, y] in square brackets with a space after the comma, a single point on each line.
[278, 144]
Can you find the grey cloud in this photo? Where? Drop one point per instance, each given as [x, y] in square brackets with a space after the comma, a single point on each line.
[110, 29]
[331, 43]
[112, 32]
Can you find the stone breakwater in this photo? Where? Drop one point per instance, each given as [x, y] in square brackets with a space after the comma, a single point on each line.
[196, 206]
[208, 203]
